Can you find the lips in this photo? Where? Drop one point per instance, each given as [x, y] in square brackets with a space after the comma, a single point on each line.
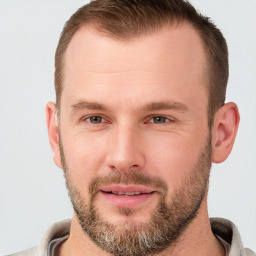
[126, 196]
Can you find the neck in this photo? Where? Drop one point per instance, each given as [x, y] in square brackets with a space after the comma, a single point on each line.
[197, 239]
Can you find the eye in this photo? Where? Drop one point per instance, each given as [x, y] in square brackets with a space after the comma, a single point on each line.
[94, 119]
[159, 120]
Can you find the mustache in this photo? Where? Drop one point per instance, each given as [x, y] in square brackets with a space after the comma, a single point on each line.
[129, 178]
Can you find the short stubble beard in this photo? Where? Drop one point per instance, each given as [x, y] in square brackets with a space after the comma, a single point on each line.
[168, 221]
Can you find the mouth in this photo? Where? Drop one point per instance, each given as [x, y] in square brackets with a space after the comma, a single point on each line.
[125, 193]
[126, 196]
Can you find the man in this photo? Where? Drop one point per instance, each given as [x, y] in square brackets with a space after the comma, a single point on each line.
[140, 115]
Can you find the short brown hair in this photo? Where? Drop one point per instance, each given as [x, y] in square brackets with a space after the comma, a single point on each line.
[124, 19]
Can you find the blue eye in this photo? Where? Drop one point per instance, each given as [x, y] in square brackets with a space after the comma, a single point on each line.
[159, 119]
[94, 119]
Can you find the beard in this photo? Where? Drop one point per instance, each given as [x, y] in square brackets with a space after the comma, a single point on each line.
[168, 220]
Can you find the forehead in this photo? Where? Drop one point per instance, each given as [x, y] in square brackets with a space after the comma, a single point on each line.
[179, 40]
[172, 56]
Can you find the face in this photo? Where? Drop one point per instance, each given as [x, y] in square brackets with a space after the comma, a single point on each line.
[134, 138]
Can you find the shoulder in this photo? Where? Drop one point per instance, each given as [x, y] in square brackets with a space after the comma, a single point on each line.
[229, 232]
[55, 231]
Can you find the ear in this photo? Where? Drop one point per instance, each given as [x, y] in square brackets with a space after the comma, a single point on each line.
[224, 131]
[53, 132]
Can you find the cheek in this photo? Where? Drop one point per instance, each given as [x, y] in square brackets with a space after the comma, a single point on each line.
[84, 155]
[172, 159]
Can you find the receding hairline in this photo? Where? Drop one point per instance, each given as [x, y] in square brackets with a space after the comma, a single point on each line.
[97, 27]
[130, 37]
[125, 40]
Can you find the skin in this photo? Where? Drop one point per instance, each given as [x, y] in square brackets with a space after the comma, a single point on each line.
[127, 77]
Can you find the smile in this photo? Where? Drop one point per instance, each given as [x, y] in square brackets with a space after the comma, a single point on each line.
[126, 196]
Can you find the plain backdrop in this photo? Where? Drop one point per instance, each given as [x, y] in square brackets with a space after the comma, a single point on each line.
[32, 189]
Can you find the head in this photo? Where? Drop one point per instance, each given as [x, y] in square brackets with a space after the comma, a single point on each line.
[140, 90]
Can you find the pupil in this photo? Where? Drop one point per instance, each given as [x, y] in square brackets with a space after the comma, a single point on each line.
[95, 119]
[159, 119]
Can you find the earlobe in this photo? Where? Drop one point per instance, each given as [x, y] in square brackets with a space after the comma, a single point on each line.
[224, 131]
[53, 132]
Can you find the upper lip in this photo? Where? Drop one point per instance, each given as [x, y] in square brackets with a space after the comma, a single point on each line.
[129, 189]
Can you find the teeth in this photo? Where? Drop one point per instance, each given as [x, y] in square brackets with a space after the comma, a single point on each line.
[130, 193]
[116, 193]
[126, 193]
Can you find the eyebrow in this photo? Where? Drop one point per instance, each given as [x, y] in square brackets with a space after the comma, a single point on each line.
[166, 105]
[153, 106]
[80, 105]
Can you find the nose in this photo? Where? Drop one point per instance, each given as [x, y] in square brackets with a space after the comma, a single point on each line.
[125, 152]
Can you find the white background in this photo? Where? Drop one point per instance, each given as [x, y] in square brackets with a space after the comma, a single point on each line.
[32, 190]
